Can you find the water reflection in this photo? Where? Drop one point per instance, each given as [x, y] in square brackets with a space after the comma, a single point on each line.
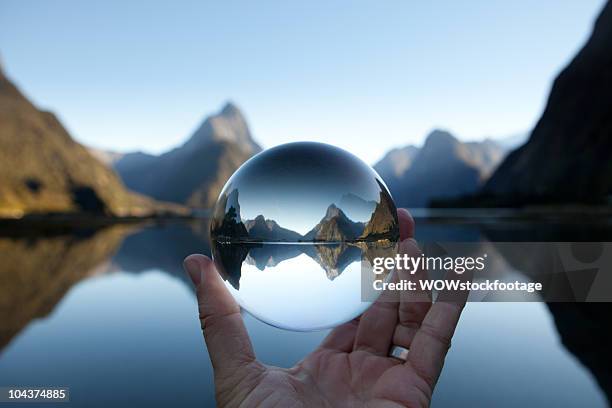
[163, 247]
[332, 258]
[136, 319]
[36, 271]
[300, 286]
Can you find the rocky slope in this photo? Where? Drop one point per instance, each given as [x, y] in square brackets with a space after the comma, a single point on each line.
[195, 172]
[384, 223]
[444, 167]
[568, 157]
[42, 169]
[335, 226]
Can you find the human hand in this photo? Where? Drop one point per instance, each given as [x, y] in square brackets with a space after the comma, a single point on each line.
[351, 367]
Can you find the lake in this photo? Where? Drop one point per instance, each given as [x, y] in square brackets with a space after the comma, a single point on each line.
[110, 314]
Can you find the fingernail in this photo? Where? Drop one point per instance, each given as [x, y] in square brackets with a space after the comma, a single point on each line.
[193, 269]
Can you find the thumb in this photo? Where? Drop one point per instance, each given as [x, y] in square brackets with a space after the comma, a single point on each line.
[227, 340]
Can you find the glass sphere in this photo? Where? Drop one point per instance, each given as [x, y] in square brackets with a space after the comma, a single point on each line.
[291, 229]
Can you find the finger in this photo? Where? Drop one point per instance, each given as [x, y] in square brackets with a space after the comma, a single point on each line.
[432, 341]
[342, 337]
[406, 224]
[226, 336]
[414, 304]
[377, 324]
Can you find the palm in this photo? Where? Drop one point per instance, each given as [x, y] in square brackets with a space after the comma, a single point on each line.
[351, 367]
[360, 378]
[324, 378]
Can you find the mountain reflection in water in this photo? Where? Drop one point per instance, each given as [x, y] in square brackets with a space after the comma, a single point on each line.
[38, 269]
[333, 258]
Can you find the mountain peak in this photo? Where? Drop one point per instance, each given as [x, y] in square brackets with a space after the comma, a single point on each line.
[439, 137]
[443, 167]
[194, 172]
[230, 109]
[335, 227]
[228, 125]
[333, 211]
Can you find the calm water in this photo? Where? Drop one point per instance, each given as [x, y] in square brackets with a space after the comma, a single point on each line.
[111, 315]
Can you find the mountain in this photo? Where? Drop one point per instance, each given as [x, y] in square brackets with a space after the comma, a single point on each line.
[261, 229]
[42, 169]
[108, 157]
[568, 157]
[229, 126]
[333, 259]
[128, 162]
[335, 226]
[228, 225]
[485, 156]
[383, 224]
[396, 162]
[444, 167]
[195, 172]
[354, 204]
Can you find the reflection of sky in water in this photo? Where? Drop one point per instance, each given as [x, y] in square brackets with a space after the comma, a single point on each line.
[296, 294]
[122, 340]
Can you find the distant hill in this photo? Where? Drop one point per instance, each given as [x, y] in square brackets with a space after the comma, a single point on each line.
[396, 163]
[354, 204]
[443, 167]
[568, 157]
[195, 172]
[513, 141]
[261, 229]
[107, 157]
[42, 169]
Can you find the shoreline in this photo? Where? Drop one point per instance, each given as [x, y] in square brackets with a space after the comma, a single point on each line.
[66, 223]
[566, 214]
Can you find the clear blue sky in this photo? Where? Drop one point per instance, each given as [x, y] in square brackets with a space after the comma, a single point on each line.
[364, 75]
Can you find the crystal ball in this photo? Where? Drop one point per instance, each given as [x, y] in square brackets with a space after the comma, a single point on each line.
[291, 230]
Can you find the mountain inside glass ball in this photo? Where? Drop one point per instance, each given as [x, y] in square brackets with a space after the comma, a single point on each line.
[302, 215]
[304, 192]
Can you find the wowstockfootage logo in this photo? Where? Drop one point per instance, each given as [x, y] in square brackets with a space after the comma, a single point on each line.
[458, 265]
[413, 264]
[498, 271]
